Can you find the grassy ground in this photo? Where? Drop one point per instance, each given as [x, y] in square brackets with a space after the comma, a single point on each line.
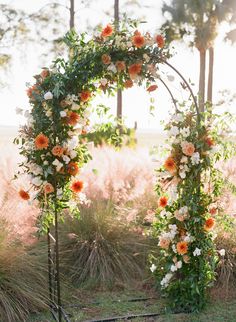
[92, 306]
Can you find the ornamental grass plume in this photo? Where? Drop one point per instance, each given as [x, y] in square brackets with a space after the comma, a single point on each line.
[120, 176]
[23, 282]
[99, 250]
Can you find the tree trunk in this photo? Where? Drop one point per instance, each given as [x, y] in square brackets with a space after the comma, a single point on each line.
[72, 14]
[201, 93]
[210, 75]
[119, 92]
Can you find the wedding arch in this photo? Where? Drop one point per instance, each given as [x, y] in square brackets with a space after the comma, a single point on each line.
[51, 143]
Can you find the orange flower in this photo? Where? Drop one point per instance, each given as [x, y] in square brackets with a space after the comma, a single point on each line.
[135, 69]
[120, 65]
[85, 96]
[44, 73]
[182, 247]
[31, 90]
[128, 83]
[162, 202]
[106, 59]
[152, 88]
[188, 148]
[57, 150]
[138, 40]
[41, 142]
[107, 31]
[170, 165]
[72, 118]
[77, 186]
[209, 224]
[160, 41]
[73, 168]
[213, 211]
[48, 188]
[24, 194]
[164, 242]
[209, 141]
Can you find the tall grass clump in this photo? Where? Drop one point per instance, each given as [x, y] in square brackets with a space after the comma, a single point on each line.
[22, 282]
[99, 250]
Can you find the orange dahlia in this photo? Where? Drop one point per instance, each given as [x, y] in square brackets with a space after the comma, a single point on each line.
[209, 224]
[138, 40]
[170, 165]
[85, 96]
[107, 31]
[72, 118]
[128, 83]
[73, 168]
[135, 69]
[41, 141]
[77, 186]
[48, 188]
[106, 59]
[160, 41]
[182, 247]
[44, 73]
[24, 194]
[152, 88]
[162, 202]
[57, 150]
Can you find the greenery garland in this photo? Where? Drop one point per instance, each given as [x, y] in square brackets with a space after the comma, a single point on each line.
[189, 187]
[52, 141]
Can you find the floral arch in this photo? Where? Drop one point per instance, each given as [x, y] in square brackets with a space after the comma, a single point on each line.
[51, 143]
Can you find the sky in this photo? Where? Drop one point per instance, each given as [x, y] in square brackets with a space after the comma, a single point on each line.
[135, 101]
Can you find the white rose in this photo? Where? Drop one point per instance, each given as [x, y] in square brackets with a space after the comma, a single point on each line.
[153, 268]
[197, 252]
[66, 159]
[222, 252]
[37, 181]
[63, 114]
[48, 96]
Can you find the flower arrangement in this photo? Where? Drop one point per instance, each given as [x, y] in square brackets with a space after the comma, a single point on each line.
[60, 100]
[189, 186]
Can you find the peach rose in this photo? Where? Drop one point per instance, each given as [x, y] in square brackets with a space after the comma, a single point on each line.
[188, 148]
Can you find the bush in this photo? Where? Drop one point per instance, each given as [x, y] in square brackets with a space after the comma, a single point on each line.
[22, 282]
[100, 250]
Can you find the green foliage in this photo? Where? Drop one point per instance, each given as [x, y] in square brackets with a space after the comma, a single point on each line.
[193, 188]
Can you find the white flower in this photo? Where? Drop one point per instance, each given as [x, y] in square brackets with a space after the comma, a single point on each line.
[103, 81]
[72, 154]
[178, 264]
[63, 114]
[112, 68]
[185, 132]
[173, 227]
[165, 281]
[37, 181]
[195, 158]
[177, 118]
[197, 252]
[45, 162]
[48, 96]
[184, 159]
[57, 164]
[173, 131]
[173, 268]
[153, 268]
[174, 248]
[75, 106]
[222, 252]
[129, 44]
[182, 175]
[66, 159]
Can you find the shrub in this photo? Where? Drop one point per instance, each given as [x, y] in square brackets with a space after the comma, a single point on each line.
[22, 283]
[100, 250]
